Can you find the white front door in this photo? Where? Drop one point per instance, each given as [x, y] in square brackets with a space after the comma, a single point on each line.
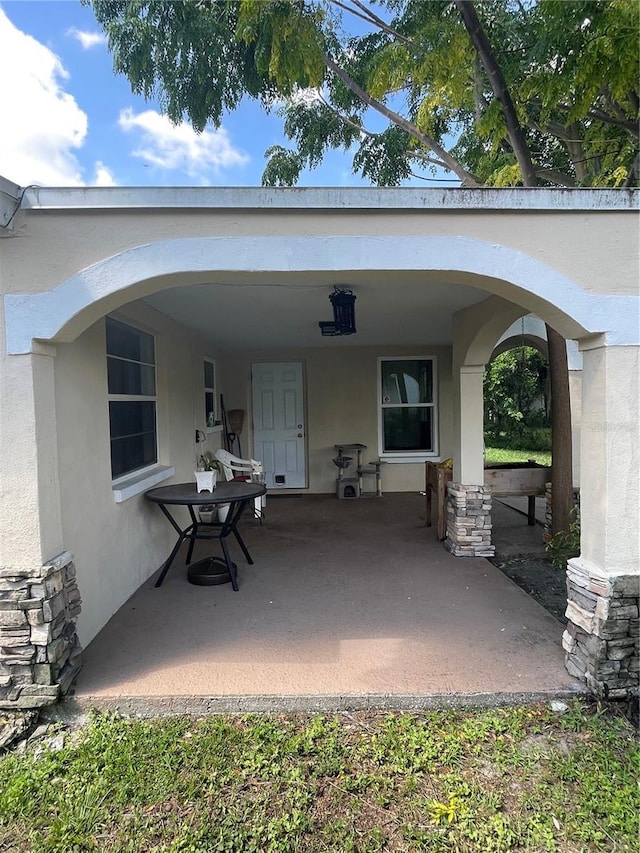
[278, 423]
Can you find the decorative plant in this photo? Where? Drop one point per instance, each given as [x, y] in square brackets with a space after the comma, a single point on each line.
[208, 463]
[565, 544]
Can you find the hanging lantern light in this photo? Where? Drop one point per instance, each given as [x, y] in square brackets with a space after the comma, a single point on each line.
[344, 316]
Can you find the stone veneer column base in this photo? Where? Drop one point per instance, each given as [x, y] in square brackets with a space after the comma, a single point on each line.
[469, 521]
[603, 632]
[39, 648]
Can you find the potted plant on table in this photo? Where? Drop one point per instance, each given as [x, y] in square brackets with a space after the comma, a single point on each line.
[207, 473]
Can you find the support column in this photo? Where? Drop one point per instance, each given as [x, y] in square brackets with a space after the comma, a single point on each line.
[603, 583]
[39, 599]
[30, 496]
[468, 499]
[468, 460]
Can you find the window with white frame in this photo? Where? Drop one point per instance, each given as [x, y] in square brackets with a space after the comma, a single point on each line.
[131, 377]
[407, 407]
[210, 410]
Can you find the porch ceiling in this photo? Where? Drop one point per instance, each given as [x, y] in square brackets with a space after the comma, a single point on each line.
[283, 312]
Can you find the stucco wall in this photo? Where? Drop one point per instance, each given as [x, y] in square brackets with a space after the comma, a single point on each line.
[98, 234]
[117, 546]
[56, 482]
[341, 395]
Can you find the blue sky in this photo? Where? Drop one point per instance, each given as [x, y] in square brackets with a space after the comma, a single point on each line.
[67, 120]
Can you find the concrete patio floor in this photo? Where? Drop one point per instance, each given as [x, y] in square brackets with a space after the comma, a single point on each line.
[350, 604]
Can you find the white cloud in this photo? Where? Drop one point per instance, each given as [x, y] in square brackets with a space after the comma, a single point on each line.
[179, 147]
[103, 176]
[87, 40]
[42, 124]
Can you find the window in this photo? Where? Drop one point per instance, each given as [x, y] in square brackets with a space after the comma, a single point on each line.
[210, 411]
[407, 407]
[131, 377]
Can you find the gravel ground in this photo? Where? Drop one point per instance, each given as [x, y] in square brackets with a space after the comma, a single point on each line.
[539, 578]
[521, 554]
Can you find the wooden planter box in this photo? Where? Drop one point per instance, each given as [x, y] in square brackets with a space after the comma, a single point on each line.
[436, 480]
[520, 478]
[509, 479]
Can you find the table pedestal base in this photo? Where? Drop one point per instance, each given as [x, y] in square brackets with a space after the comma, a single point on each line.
[209, 572]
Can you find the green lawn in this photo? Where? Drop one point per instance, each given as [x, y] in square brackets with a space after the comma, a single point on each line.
[501, 454]
[519, 779]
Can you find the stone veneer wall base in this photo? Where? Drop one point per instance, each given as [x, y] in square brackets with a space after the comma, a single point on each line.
[602, 637]
[469, 521]
[40, 654]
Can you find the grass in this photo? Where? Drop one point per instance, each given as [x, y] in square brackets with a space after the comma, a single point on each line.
[501, 454]
[519, 779]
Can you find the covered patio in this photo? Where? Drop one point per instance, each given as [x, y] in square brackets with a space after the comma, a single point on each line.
[350, 604]
[131, 314]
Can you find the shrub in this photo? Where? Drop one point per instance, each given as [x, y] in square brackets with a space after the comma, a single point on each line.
[565, 544]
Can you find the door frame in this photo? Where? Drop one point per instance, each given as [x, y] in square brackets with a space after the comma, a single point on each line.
[305, 450]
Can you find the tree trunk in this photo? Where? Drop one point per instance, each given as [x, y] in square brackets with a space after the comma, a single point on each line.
[561, 451]
[493, 70]
[562, 462]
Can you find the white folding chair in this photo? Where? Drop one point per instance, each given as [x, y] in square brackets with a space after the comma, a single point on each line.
[235, 468]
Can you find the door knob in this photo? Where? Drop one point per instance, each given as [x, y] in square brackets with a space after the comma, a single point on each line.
[299, 435]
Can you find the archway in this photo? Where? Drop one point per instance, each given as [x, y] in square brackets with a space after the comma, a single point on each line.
[518, 283]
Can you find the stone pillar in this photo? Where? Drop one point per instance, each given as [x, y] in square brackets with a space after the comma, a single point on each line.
[468, 507]
[39, 648]
[469, 521]
[603, 629]
[603, 583]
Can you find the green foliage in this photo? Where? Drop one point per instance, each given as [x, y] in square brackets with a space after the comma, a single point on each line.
[283, 167]
[287, 40]
[521, 778]
[521, 437]
[501, 454]
[208, 463]
[565, 544]
[407, 85]
[515, 397]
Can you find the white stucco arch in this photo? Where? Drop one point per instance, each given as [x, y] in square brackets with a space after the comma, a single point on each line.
[73, 255]
[65, 311]
[525, 340]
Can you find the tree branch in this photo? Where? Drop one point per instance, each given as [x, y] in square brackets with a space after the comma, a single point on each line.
[632, 127]
[426, 158]
[556, 177]
[500, 89]
[370, 17]
[346, 119]
[468, 180]
[633, 171]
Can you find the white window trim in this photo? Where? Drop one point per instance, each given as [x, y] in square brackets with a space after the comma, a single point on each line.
[137, 482]
[403, 455]
[126, 485]
[206, 389]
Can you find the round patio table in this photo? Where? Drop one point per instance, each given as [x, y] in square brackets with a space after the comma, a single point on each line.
[211, 570]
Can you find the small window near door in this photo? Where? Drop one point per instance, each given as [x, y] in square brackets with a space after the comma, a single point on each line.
[131, 378]
[210, 409]
[407, 407]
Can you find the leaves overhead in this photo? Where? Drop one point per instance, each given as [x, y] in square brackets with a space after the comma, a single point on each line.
[397, 83]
